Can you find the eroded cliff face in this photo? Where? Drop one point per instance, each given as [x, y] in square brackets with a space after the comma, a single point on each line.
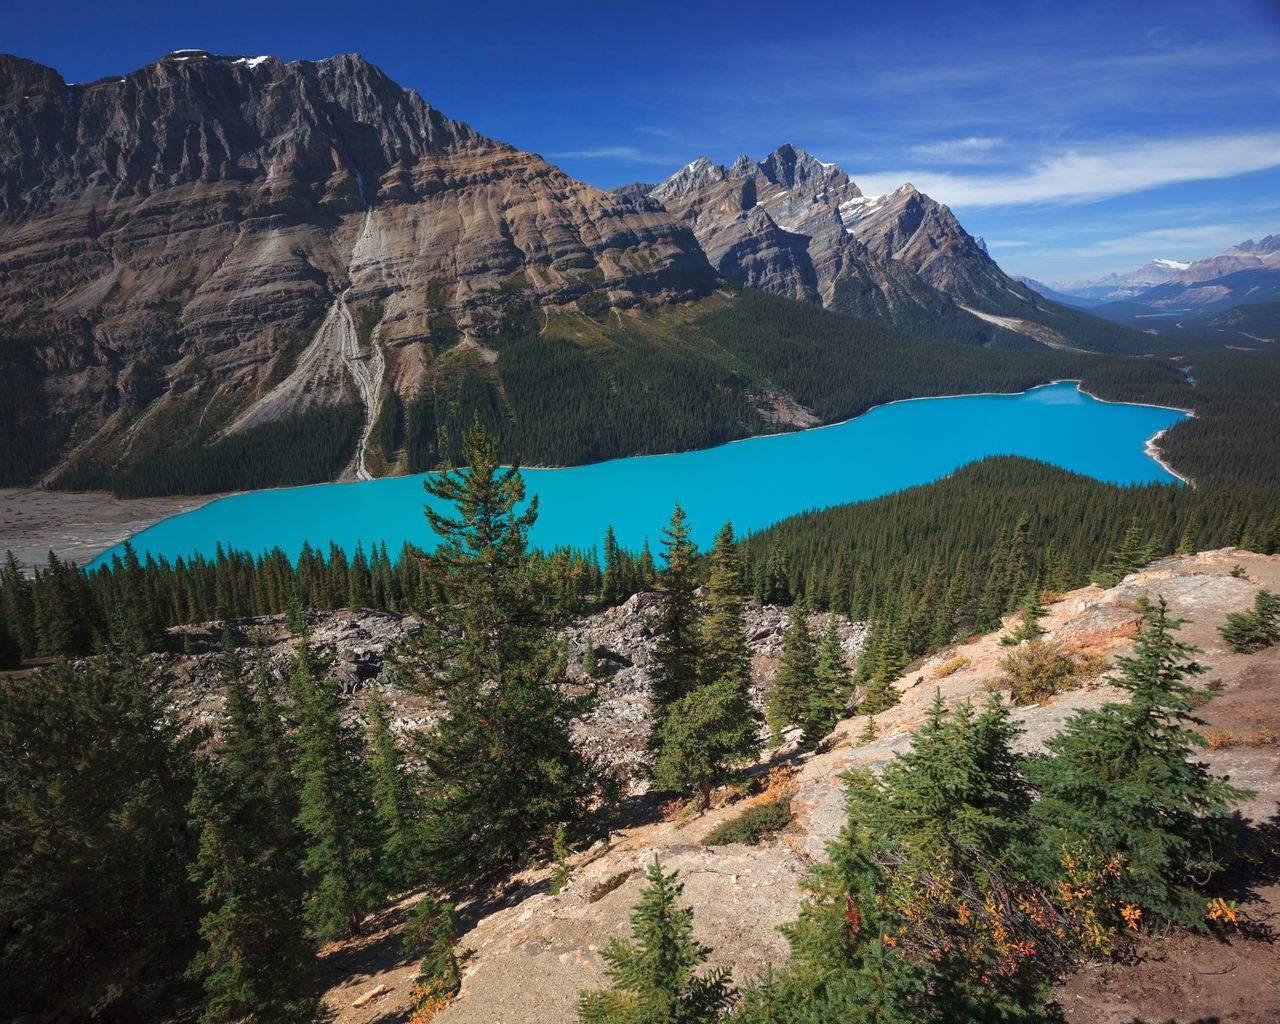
[795, 226]
[229, 240]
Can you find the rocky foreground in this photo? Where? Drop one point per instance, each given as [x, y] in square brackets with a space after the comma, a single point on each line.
[535, 951]
[359, 647]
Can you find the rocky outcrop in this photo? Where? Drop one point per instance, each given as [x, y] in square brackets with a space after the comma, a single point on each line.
[358, 648]
[229, 240]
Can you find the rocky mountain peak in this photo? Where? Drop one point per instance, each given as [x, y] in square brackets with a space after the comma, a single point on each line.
[21, 78]
[691, 178]
[788, 167]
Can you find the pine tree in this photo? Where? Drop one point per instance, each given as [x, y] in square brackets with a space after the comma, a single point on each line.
[96, 772]
[502, 770]
[653, 973]
[788, 702]
[340, 858]
[395, 803]
[678, 649]
[1122, 779]
[830, 697]
[1029, 628]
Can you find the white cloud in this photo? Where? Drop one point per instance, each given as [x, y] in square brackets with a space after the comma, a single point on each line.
[974, 149]
[612, 153]
[1087, 174]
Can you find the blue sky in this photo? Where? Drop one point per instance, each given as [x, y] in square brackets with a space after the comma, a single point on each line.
[1077, 138]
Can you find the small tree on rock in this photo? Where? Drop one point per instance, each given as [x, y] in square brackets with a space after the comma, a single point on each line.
[653, 973]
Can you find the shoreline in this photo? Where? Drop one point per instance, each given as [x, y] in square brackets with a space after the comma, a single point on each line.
[80, 526]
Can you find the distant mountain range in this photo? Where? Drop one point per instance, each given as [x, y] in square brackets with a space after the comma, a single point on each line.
[1245, 273]
[210, 245]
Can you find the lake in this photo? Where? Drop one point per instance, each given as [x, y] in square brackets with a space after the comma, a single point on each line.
[754, 482]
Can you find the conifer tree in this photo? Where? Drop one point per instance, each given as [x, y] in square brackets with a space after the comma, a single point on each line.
[705, 736]
[97, 916]
[648, 574]
[1132, 553]
[830, 697]
[724, 628]
[395, 803]
[1123, 779]
[340, 852]
[502, 770]
[711, 731]
[678, 649]
[1029, 628]
[1246, 632]
[788, 702]
[653, 973]
[890, 932]
[17, 608]
[886, 666]
[258, 960]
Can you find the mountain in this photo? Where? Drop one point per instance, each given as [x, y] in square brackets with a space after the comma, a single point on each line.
[1114, 287]
[795, 226]
[228, 272]
[1245, 273]
[1054, 295]
[213, 243]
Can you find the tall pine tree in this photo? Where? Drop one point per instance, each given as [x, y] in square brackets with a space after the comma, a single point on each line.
[502, 771]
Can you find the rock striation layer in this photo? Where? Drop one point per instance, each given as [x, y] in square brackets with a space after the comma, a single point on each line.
[245, 238]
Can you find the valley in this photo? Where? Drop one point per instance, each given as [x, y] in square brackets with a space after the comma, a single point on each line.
[415, 552]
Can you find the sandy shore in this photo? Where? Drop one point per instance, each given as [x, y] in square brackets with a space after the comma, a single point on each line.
[78, 526]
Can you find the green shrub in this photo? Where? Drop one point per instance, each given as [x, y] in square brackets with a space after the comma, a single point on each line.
[1246, 632]
[755, 823]
[1037, 670]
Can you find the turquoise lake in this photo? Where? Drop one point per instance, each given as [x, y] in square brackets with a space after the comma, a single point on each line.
[753, 482]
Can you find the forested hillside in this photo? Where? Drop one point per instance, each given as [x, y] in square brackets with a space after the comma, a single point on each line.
[568, 388]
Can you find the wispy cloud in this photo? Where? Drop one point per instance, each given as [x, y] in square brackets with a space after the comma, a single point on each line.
[974, 149]
[1084, 175]
[612, 153]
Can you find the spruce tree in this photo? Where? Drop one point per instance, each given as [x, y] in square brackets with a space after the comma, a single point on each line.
[830, 697]
[341, 849]
[97, 916]
[653, 973]
[678, 649]
[724, 629]
[892, 931]
[705, 736]
[1029, 628]
[502, 770]
[258, 960]
[788, 702]
[1122, 779]
[711, 731]
[1246, 632]
[395, 802]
